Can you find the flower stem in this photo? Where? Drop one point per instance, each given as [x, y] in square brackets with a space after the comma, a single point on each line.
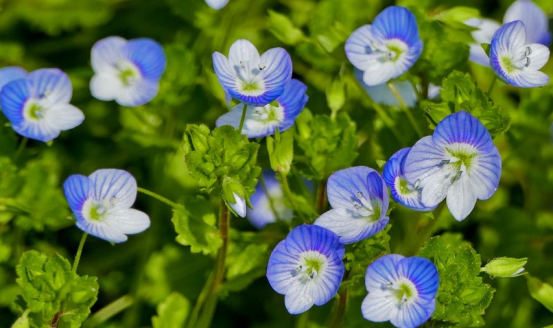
[21, 148]
[340, 309]
[200, 301]
[406, 109]
[109, 311]
[490, 89]
[158, 197]
[321, 196]
[243, 118]
[288, 191]
[79, 252]
[212, 298]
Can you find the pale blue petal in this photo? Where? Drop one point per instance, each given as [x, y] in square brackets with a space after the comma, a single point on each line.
[50, 85]
[116, 186]
[107, 53]
[535, 20]
[292, 100]
[102, 231]
[299, 297]
[462, 127]
[382, 271]
[239, 207]
[397, 23]
[77, 189]
[11, 73]
[379, 306]
[413, 314]
[13, 98]
[424, 158]
[343, 186]
[127, 220]
[348, 226]
[281, 268]
[485, 174]
[262, 213]
[484, 34]
[148, 56]
[529, 79]
[358, 47]
[423, 274]
[225, 73]
[461, 198]
[217, 4]
[242, 51]
[313, 238]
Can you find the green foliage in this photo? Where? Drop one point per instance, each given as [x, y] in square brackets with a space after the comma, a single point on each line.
[212, 155]
[52, 293]
[172, 313]
[460, 92]
[336, 96]
[326, 144]
[541, 292]
[283, 29]
[194, 224]
[462, 297]
[506, 267]
[281, 151]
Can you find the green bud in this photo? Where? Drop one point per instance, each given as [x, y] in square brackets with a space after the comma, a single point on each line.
[199, 135]
[234, 196]
[281, 151]
[336, 95]
[505, 267]
[82, 295]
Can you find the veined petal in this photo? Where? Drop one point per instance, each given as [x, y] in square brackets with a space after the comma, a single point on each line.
[127, 220]
[11, 73]
[535, 20]
[105, 86]
[343, 187]
[396, 22]
[313, 238]
[435, 188]
[64, 116]
[484, 174]
[358, 47]
[148, 55]
[239, 207]
[508, 38]
[102, 230]
[413, 314]
[292, 100]
[278, 70]
[243, 51]
[77, 189]
[423, 274]
[107, 53]
[262, 212]
[424, 158]
[529, 79]
[484, 34]
[380, 73]
[348, 226]
[298, 297]
[379, 306]
[378, 193]
[326, 285]
[217, 4]
[461, 198]
[281, 268]
[381, 272]
[539, 55]
[462, 127]
[50, 85]
[13, 98]
[138, 93]
[116, 186]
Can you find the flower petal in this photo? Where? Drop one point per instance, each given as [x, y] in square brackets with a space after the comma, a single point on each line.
[358, 47]
[63, 116]
[379, 306]
[380, 73]
[226, 74]
[413, 314]
[462, 127]
[484, 34]
[535, 20]
[382, 94]
[484, 174]
[435, 188]
[278, 71]
[461, 198]
[243, 51]
[128, 220]
[292, 100]
[13, 98]
[138, 93]
[529, 79]
[539, 55]
[423, 159]
[507, 38]
[107, 53]
[117, 186]
[423, 274]
[102, 230]
[11, 73]
[50, 84]
[381, 272]
[148, 55]
[239, 207]
[77, 189]
[298, 297]
[313, 238]
[281, 268]
[262, 212]
[216, 4]
[396, 22]
[343, 186]
[105, 86]
[348, 226]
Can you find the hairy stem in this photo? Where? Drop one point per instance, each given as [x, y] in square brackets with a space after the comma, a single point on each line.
[321, 197]
[158, 197]
[243, 118]
[79, 252]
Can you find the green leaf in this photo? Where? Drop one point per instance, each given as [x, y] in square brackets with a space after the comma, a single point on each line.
[541, 292]
[53, 293]
[23, 321]
[283, 29]
[195, 226]
[172, 313]
[281, 151]
[462, 296]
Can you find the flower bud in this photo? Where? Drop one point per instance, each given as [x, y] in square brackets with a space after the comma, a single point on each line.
[234, 196]
[505, 267]
[199, 135]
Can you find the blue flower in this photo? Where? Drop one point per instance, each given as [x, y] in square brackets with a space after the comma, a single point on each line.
[359, 200]
[239, 207]
[126, 71]
[402, 191]
[101, 203]
[514, 60]
[535, 20]
[459, 161]
[387, 48]
[306, 267]
[262, 121]
[263, 212]
[217, 4]
[401, 290]
[37, 105]
[11, 73]
[253, 79]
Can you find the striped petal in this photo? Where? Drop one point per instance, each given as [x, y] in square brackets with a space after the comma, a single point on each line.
[103, 230]
[462, 127]
[292, 100]
[423, 274]
[107, 53]
[11, 73]
[239, 207]
[396, 22]
[127, 220]
[148, 55]
[13, 98]
[358, 48]
[343, 187]
[77, 189]
[63, 117]
[348, 226]
[379, 306]
[413, 314]
[116, 186]
[313, 238]
[535, 20]
[243, 51]
[281, 268]
[51, 85]
[299, 297]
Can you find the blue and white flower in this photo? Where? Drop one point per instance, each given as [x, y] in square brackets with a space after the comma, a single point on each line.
[11, 73]
[37, 105]
[306, 267]
[387, 48]
[401, 290]
[101, 203]
[402, 191]
[262, 121]
[126, 71]
[526, 11]
[514, 60]
[239, 206]
[253, 79]
[359, 200]
[459, 161]
[217, 4]
[268, 207]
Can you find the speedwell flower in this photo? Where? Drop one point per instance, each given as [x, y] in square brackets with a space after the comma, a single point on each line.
[262, 121]
[126, 71]
[359, 200]
[37, 106]
[11, 73]
[267, 201]
[459, 161]
[217, 4]
[402, 191]
[514, 60]
[101, 203]
[387, 48]
[484, 34]
[401, 290]
[253, 79]
[306, 267]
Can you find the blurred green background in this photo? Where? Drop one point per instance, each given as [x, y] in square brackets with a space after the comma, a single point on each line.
[516, 222]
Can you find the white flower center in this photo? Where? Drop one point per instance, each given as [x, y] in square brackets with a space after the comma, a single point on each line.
[367, 208]
[96, 210]
[389, 50]
[311, 265]
[250, 76]
[403, 291]
[34, 110]
[517, 61]
[127, 72]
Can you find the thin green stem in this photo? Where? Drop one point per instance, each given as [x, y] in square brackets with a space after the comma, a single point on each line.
[387, 121]
[271, 202]
[79, 252]
[213, 296]
[158, 197]
[321, 197]
[193, 321]
[406, 109]
[21, 148]
[109, 311]
[490, 89]
[243, 118]
[288, 191]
